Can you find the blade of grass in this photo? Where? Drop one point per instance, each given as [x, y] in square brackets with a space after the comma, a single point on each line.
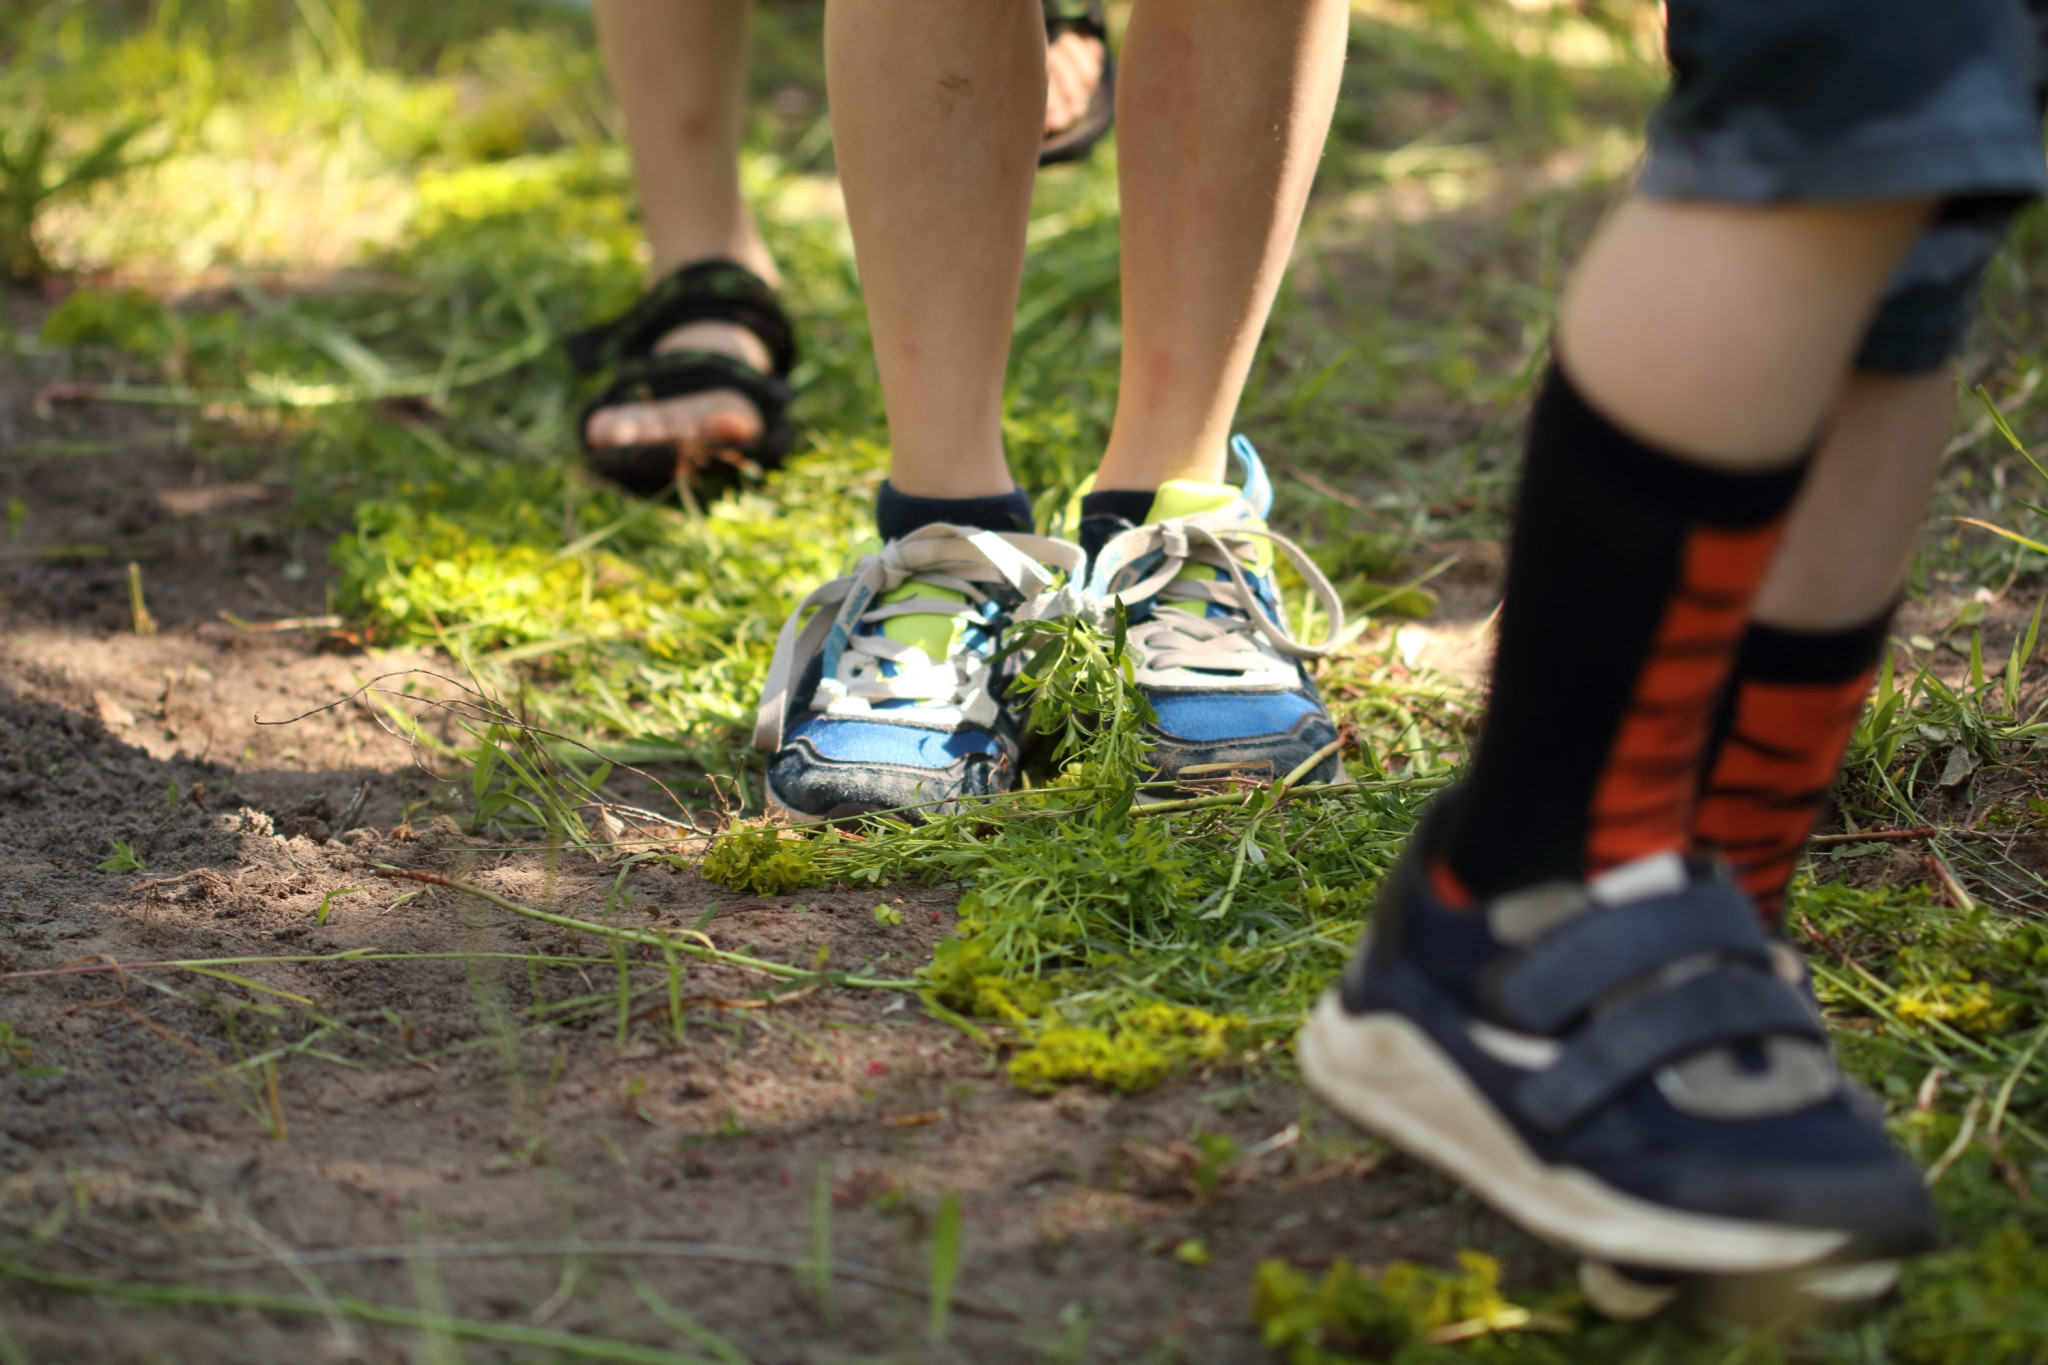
[721, 1350]
[702, 952]
[945, 1266]
[818, 1265]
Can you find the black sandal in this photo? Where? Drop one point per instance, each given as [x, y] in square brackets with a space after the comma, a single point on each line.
[706, 291]
[1075, 141]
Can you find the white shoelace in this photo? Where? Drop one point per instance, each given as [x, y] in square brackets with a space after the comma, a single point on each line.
[946, 692]
[1186, 649]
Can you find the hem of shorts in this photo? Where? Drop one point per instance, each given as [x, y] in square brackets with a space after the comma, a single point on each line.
[1924, 352]
[1981, 168]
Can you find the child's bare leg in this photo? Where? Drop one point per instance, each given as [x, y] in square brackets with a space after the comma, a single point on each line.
[1725, 333]
[1850, 540]
[678, 70]
[938, 108]
[1221, 118]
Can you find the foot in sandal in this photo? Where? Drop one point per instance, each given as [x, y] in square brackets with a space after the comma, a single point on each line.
[699, 371]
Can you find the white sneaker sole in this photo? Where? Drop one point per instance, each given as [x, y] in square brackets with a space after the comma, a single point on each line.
[1387, 1076]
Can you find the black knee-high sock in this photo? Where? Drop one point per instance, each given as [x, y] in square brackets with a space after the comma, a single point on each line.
[1628, 591]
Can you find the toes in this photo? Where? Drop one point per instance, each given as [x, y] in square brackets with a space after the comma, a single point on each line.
[1073, 70]
[626, 424]
[736, 424]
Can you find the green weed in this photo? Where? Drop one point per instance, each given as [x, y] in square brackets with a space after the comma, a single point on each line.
[18, 1055]
[124, 858]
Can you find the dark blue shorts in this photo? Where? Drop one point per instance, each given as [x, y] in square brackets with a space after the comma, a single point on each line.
[1816, 101]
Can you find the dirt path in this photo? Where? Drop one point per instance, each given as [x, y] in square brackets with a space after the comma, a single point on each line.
[303, 1125]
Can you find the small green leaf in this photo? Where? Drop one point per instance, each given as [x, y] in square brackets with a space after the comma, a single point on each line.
[327, 901]
[487, 761]
[124, 858]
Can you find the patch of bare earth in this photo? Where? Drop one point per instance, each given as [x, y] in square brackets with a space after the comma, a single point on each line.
[295, 1126]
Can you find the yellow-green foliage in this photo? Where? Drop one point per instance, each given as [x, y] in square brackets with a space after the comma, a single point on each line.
[1139, 1050]
[508, 594]
[762, 861]
[963, 977]
[1349, 1316]
[1968, 1005]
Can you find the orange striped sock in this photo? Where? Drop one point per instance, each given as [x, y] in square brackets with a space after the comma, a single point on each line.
[1790, 711]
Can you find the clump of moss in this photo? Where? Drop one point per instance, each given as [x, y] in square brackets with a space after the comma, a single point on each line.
[1352, 1316]
[1137, 1052]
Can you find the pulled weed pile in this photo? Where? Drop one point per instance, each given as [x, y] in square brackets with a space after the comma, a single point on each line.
[1119, 942]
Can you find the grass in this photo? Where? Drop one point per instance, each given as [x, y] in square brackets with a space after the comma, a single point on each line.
[442, 195]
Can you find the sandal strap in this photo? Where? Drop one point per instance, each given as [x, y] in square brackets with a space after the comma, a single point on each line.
[703, 291]
[1573, 968]
[679, 374]
[1638, 1036]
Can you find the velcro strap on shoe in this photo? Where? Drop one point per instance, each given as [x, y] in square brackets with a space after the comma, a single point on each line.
[706, 291]
[1630, 1041]
[1568, 971]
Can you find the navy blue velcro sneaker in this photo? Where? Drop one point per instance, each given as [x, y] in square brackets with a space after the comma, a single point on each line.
[1630, 1069]
[891, 695]
[1208, 636]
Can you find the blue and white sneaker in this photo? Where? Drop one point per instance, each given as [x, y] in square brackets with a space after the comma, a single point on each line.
[1628, 1070]
[1209, 638]
[890, 697]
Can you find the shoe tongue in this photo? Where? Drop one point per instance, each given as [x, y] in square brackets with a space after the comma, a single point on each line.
[935, 635]
[1187, 498]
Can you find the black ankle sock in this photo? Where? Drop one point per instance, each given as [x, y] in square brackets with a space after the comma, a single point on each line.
[1628, 592]
[898, 514]
[1109, 510]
